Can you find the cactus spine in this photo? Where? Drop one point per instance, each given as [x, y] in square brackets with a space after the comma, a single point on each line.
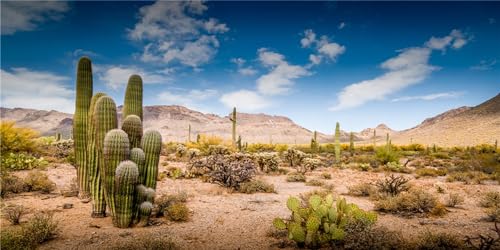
[126, 179]
[80, 122]
[116, 149]
[132, 125]
[337, 143]
[151, 145]
[351, 143]
[233, 120]
[96, 191]
[133, 97]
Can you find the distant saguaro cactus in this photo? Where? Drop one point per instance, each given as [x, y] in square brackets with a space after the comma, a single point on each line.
[351, 143]
[151, 145]
[189, 133]
[132, 125]
[233, 120]
[133, 97]
[337, 143]
[84, 87]
[126, 178]
[374, 139]
[116, 149]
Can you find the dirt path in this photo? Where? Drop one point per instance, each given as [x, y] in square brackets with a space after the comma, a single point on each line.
[223, 220]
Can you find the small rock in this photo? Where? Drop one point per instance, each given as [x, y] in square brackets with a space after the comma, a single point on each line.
[85, 200]
[124, 234]
[94, 225]
[67, 205]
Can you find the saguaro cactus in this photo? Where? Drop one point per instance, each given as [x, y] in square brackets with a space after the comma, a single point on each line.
[351, 143]
[137, 156]
[96, 191]
[132, 125]
[189, 133]
[374, 139]
[233, 120]
[80, 123]
[126, 178]
[337, 143]
[116, 149]
[133, 97]
[151, 145]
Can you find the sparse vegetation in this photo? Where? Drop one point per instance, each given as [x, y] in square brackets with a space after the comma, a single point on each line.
[256, 186]
[393, 185]
[39, 229]
[454, 199]
[410, 202]
[296, 177]
[38, 181]
[363, 189]
[177, 212]
[13, 213]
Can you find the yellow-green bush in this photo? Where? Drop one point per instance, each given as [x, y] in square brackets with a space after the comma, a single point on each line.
[21, 161]
[38, 181]
[16, 139]
[256, 186]
[260, 147]
[295, 177]
[413, 201]
[178, 212]
[40, 228]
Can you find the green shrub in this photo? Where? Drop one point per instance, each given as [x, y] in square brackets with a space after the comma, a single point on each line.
[386, 155]
[430, 172]
[362, 189]
[21, 161]
[175, 173]
[256, 186]
[40, 228]
[177, 212]
[260, 147]
[16, 139]
[296, 177]
[431, 241]
[10, 184]
[166, 200]
[490, 199]
[38, 181]
[145, 243]
[322, 220]
[315, 182]
[267, 162]
[413, 201]
[13, 213]
[454, 199]
[441, 155]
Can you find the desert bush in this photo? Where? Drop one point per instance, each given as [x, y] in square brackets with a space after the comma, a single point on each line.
[233, 170]
[309, 164]
[412, 201]
[325, 175]
[440, 155]
[180, 151]
[169, 148]
[193, 153]
[493, 214]
[40, 228]
[454, 199]
[177, 212]
[144, 243]
[364, 158]
[484, 242]
[362, 189]
[412, 147]
[364, 167]
[38, 181]
[294, 157]
[439, 210]
[260, 147]
[393, 185]
[16, 139]
[430, 172]
[296, 177]
[322, 220]
[21, 161]
[490, 199]
[485, 148]
[396, 167]
[166, 200]
[315, 182]
[256, 186]
[218, 150]
[197, 167]
[175, 173]
[386, 155]
[13, 213]
[431, 241]
[10, 184]
[377, 238]
[469, 177]
[280, 148]
[58, 151]
[267, 162]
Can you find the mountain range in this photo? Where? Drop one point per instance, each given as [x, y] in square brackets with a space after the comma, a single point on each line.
[462, 126]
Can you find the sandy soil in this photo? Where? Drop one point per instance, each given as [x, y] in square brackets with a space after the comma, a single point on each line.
[224, 220]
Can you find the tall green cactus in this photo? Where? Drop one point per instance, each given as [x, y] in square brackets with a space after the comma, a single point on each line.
[351, 143]
[126, 178]
[116, 149]
[133, 97]
[337, 143]
[80, 123]
[233, 121]
[137, 156]
[96, 191]
[238, 143]
[132, 125]
[151, 145]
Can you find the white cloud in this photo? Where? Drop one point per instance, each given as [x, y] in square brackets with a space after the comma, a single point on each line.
[245, 100]
[429, 97]
[116, 76]
[249, 71]
[82, 52]
[484, 65]
[279, 79]
[330, 49]
[315, 59]
[411, 66]
[309, 38]
[238, 61]
[188, 99]
[25, 88]
[341, 25]
[324, 48]
[25, 16]
[174, 32]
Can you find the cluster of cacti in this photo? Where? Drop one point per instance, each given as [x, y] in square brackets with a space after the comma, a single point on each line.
[337, 143]
[233, 121]
[118, 167]
[294, 157]
[323, 220]
[267, 162]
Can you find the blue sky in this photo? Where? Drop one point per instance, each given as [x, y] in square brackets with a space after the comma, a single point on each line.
[359, 63]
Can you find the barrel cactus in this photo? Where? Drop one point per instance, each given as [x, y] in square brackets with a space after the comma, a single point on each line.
[116, 149]
[126, 178]
[80, 122]
[151, 145]
[145, 210]
[133, 97]
[132, 125]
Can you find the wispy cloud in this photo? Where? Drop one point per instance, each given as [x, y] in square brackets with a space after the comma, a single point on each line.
[341, 25]
[484, 65]
[242, 69]
[26, 16]
[325, 49]
[116, 76]
[411, 66]
[175, 32]
[245, 100]
[190, 99]
[82, 52]
[429, 97]
[25, 88]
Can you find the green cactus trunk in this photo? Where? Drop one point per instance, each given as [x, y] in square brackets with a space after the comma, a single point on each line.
[337, 143]
[132, 125]
[126, 178]
[137, 156]
[133, 97]
[233, 120]
[80, 123]
[151, 145]
[238, 143]
[116, 149]
[96, 190]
